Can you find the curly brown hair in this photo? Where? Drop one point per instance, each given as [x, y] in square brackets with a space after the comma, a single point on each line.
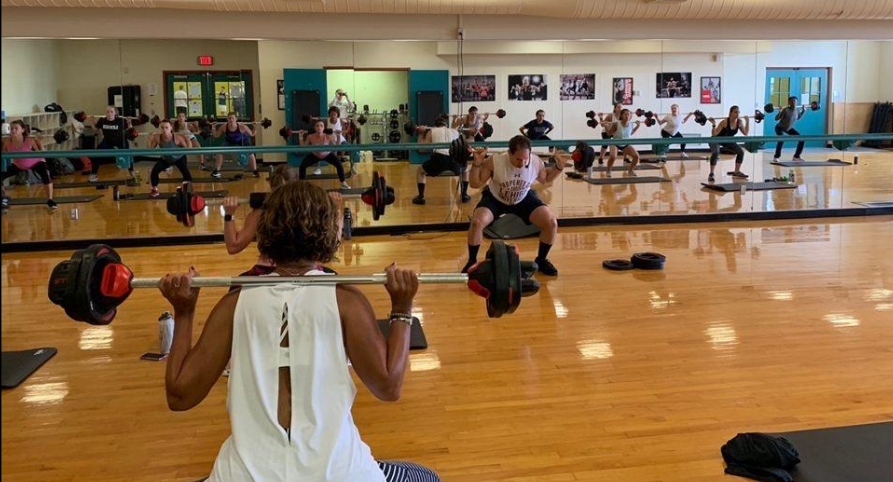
[299, 222]
[283, 174]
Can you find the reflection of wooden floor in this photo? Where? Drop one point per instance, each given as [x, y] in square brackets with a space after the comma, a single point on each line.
[831, 187]
[604, 376]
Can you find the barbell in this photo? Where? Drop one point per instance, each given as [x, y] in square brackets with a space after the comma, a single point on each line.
[770, 108]
[136, 120]
[185, 203]
[500, 113]
[93, 282]
[210, 121]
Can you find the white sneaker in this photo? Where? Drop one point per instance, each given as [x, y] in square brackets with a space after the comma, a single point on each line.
[345, 185]
[799, 159]
[776, 159]
[317, 172]
[93, 178]
[683, 155]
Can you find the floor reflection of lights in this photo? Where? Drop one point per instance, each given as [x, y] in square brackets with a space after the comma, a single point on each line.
[722, 336]
[884, 307]
[595, 349]
[840, 320]
[658, 302]
[96, 338]
[879, 295]
[560, 310]
[781, 295]
[423, 362]
[45, 393]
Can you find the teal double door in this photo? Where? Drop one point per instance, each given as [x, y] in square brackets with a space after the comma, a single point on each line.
[807, 85]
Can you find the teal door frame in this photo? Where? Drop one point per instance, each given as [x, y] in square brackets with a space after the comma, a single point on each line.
[806, 84]
[426, 80]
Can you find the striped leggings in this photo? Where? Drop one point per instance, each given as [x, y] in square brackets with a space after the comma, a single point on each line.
[406, 472]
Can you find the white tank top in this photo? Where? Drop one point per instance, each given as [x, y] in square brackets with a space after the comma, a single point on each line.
[337, 128]
[623, 132]
[323, 444]
[511, 184]
[671, 124]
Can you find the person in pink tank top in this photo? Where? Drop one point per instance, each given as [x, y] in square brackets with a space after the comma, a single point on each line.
[20, 141]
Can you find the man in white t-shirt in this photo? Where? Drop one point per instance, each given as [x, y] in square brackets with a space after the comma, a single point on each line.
[507, 178]
[440, 160]
[180, 102]
[343, 103]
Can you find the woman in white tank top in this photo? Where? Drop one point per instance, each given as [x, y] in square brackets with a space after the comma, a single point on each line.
[671, 123]
[290, 391]
[624, 129]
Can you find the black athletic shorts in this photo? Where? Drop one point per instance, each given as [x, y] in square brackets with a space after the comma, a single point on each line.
[523, 209]
[439, 163]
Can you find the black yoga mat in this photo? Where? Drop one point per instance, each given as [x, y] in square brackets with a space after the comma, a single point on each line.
[510, 226]
[33, 201]
[200, 180]
[626, 180]
[844, 454]
[144, 196]
[640, 167]
[417, 339]
[97, 185]
[19, 365]
[828, 163]
[750, 186]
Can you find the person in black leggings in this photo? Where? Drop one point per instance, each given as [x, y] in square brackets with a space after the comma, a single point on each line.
[728, 127]
[114, 136]
[20, 141]
[320, 138]
[166, 139]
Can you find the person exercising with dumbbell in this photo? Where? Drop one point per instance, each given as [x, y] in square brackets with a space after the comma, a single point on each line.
[440, 160]
[506, 178]
[235, 134]
[624, 129]
[290, 393]
[320, 137]
[166, 139]
[728, 127]
[671, 125]
[20, 141]
[607, 121]
[786, 118]
[113, 130]
[187, 129]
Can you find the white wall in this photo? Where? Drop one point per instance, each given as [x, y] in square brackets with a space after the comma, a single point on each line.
[885, 72]
[30, 75]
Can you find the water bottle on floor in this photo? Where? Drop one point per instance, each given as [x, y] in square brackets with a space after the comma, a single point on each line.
[347, 232]
[165, 332]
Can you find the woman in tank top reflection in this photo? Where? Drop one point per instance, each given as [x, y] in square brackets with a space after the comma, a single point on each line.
[290, 413]
[166, 139]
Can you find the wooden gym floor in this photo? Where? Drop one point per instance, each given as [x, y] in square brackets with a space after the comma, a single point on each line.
[818, 188]
[603, 376]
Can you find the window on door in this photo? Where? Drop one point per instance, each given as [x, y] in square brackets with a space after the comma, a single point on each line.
[779, 90]
[810, 90]
[201, 94]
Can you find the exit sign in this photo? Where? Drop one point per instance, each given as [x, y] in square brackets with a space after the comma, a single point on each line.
[205, 60]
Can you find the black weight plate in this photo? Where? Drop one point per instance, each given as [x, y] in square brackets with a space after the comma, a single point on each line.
[617, 264]
[648, 260]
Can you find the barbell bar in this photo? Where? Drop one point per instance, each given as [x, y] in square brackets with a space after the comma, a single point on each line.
[93, 282]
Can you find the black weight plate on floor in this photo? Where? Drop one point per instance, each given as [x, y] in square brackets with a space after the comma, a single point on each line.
[648, 260]
[618, 264]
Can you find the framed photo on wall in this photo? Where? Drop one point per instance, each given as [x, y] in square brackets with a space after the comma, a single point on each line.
[673, 84]
[577, 87]
[622, 89]
[711, 90]
[473, 88]
[528, 87]
[280, 92]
